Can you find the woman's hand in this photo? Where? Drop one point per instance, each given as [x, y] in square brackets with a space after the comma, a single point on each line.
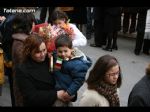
[64, 96]
[49, 54]
[60, 94]
[67, 97]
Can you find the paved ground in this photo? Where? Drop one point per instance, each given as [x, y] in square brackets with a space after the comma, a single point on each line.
[133, 67]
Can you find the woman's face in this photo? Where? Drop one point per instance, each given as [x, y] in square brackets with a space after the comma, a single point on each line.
[112, 75]
[41, 54]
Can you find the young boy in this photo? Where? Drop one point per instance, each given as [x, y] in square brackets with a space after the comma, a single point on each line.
[70, 69]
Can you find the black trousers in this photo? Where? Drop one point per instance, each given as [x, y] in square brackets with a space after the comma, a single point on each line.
[139, 41]
[99, 35]
[126, 20]
[140, 31]
[112, 40]
[146, 46]
[44, 13]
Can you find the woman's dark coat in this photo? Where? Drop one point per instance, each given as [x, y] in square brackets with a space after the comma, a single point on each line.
[36, 83]
[140, 94]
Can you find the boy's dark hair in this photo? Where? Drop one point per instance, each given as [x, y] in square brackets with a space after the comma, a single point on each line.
[63, 40]
[58, 14]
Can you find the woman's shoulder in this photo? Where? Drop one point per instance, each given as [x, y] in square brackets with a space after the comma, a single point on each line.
[92, 94]
[93, 98]
[73, 26]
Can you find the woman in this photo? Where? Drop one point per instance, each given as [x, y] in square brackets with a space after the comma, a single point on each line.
[33, 78]
[103, 81]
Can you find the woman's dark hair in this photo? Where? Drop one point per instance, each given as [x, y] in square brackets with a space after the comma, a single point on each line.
[58, 14]
[63, 40]
[99, 70]
[22, 23]
[31, 46]
[148, 70]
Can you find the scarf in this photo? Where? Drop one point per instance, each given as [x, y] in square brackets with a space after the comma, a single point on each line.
[110, 93]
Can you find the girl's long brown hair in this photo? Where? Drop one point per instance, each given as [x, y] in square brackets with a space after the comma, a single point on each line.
[99, 70]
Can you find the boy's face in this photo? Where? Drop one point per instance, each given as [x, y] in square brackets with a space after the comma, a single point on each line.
[64, 52]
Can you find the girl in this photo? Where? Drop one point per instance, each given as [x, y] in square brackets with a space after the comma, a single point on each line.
[103, 81]
[59, 18]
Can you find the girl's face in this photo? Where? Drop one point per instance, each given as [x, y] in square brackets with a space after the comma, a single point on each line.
[59, 22]
[112, 75]
[41, 54]
[64, 52]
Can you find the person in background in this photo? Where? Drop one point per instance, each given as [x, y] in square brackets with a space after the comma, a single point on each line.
[59, 18]
[103, 83]
[2, 77]
[146, 46]
[139, 95]
[99, 36]
[80, 17]
[70, 11]
[68, 74]
[129, 13]
[6, 40]
[113, 20]
[21, 28]
[142, 11]
[44, 13]
[89, 26]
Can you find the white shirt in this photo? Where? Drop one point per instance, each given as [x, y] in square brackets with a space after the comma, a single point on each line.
[78, 38]
[92, 98]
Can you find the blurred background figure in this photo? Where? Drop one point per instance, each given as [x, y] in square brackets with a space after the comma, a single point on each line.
[146, 46]
[129, 19]
[139, 96]
[43, 13]
[142, 12]
[89, 25]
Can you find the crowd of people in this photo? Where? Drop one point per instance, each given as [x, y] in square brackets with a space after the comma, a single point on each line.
[42, 77]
